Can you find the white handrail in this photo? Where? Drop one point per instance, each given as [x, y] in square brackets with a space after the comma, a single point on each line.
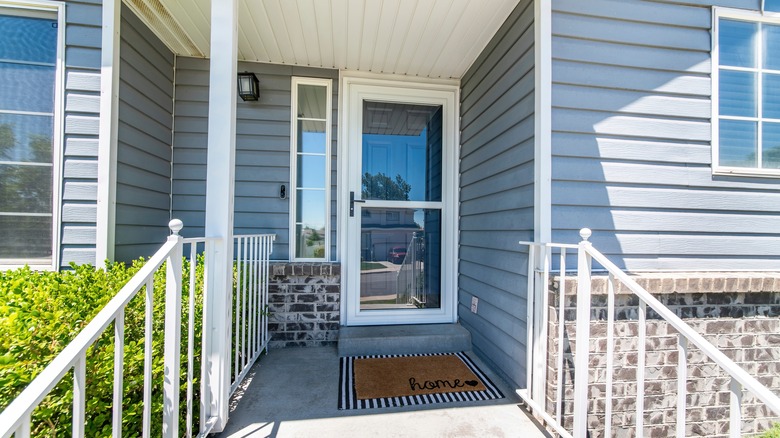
[746, 380]
[12, 418]
[537, 290]
[252, 336]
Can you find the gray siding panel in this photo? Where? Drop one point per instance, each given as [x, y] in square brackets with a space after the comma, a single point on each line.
[78, 199]
[145, 133]
[496, 193]
[631, 141]
[262, 151]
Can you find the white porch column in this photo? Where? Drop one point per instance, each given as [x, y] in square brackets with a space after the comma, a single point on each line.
[543, 121]
[220, 180]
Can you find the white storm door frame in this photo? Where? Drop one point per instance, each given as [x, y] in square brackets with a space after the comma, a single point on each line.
[354, 91]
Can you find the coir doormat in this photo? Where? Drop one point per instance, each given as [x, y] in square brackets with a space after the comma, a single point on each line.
[385, 381]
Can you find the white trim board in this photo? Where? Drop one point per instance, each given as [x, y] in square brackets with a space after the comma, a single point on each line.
[109, 128]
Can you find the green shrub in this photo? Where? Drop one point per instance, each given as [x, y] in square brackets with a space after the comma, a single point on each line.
[774, 432]
[41, 312]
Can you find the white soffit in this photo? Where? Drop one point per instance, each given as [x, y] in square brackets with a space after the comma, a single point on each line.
[423, 38]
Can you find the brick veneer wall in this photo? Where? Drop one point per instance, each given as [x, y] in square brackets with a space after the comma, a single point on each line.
[739, 314]
[303, 301]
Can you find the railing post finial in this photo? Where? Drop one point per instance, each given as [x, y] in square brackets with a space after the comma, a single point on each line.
[585, 233]
[175, 225]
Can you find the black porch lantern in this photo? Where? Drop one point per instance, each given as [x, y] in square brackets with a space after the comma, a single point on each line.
[248, 86]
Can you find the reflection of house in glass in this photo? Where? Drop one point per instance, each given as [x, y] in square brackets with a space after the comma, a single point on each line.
[386, 233]
[401, 257]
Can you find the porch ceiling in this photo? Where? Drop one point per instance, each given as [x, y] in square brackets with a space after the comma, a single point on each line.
[423, 38]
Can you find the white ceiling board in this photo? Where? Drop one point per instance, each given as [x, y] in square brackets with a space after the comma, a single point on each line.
[311, 35]
[371, 22]
[265, 35]
[435, 37]
[339, 16]
[194, 23]
[412, 38]
[294, 28]
[275, 17]
[322, 12]
[247, 30]
[423, 38]
[397, 40]
[481, 32]
[354, 28]
[384, 33]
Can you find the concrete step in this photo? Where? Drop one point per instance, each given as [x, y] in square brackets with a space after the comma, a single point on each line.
[403, 339]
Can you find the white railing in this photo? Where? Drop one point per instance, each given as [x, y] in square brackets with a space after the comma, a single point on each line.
[409, 279]
[540, 257]
[251, 338]
[250, 315]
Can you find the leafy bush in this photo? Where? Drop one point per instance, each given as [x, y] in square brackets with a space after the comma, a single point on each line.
[774, 432]
[41, 312]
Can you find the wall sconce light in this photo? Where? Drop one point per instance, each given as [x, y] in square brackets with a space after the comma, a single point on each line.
[248, 86]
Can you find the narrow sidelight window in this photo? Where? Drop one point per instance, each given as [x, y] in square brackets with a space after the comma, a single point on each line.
[310, 169]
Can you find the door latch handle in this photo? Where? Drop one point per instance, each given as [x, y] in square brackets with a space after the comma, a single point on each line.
[352, 202]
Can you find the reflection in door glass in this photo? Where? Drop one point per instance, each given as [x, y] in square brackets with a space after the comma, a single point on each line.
[402, 146]
[400, 259]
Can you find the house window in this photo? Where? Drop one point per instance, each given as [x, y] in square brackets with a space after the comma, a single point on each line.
[310, 169]
[746, 93]
[29, 141]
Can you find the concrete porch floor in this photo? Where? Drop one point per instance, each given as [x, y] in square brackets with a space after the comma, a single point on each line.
[293, 393]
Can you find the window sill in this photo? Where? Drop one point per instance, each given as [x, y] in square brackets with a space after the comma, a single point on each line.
[8, 265]
[746, 172]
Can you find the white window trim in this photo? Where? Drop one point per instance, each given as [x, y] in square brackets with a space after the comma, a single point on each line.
[57, 8]
[293, 186]
[744, 15]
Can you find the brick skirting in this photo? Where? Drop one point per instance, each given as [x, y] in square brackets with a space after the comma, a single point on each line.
[303, 301]
[739, 313]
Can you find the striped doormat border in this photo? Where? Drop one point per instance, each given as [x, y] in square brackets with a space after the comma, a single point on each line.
[348, 397]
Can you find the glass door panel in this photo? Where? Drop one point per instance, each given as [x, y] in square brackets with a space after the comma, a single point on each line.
[401, 181]
[402, 152]
[400, 253]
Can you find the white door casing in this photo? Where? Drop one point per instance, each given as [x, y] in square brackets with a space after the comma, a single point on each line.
[355, 89]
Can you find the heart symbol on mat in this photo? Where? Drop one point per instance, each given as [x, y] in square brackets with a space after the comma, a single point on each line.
[471, 382]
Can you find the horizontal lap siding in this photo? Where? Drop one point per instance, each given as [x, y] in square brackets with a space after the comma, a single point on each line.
[496, 193]
[631, 142]
[144, 141]
[262, 151]
[78, 208]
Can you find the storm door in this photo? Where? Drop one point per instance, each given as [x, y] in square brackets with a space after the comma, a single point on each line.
[399, 256]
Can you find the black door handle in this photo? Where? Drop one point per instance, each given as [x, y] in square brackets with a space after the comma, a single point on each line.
[352, 202]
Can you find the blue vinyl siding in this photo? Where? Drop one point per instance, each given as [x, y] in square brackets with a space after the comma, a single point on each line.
[631, 141]
[79, 158]
[262, 151]
[143, 192]
[496, 193]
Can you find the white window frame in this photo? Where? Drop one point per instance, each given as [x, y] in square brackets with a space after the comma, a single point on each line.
[749, 16]
[29, 8]
[293, 191]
